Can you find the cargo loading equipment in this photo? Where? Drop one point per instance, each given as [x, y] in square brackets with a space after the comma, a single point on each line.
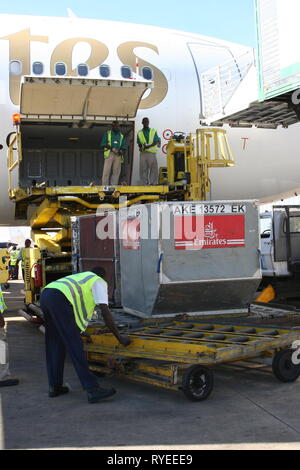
[55, 165]
[179, 354]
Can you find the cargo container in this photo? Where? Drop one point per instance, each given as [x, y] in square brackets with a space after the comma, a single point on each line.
[89, 249]
[175, 257]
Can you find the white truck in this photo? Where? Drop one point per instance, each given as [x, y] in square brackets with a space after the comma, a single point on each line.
[280, 250]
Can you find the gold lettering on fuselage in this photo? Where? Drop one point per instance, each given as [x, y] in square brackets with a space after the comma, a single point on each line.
[63, 53]
[128, 57]
[19, 50]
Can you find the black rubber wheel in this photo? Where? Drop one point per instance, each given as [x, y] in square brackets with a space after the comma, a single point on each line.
[197, 383]
[283, 367]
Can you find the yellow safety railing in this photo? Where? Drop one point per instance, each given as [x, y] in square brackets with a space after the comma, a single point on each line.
[211, 147]
[204, 149]
[14, 157]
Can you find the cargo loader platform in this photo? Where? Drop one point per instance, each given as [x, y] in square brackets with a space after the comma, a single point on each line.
[179, 354]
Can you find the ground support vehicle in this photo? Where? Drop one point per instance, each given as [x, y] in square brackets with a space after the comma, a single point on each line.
[179, 354]
[280, 255]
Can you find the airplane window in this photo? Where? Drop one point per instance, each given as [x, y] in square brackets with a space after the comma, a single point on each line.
[60, 68]
[104, 70]
[147, 73]
[37, 68]
[15, 67]
[83, 70]
[126, 71]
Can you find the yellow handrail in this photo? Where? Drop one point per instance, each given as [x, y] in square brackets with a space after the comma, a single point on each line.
[11, 162]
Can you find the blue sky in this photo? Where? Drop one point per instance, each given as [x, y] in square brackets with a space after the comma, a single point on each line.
[232, 20]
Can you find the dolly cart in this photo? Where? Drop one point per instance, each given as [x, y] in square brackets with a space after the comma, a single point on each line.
[179, 354]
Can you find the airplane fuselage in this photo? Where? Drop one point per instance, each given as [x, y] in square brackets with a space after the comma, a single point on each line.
[266, 160]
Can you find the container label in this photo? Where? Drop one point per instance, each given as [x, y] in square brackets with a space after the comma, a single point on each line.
[203, 209]
[197, 232]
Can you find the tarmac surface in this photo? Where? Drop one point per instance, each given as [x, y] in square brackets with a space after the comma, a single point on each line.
[248, 408]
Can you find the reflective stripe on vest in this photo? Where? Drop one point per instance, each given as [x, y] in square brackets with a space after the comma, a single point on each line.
[151, 140]
[78, 290]
[2, 303]
[23, 257]
[109, 134]
[14, 257]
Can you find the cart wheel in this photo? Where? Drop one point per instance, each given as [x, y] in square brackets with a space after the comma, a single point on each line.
[283, 367]
[197, 383]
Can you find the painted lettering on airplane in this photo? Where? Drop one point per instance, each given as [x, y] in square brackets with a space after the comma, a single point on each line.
[63, 53]
[20, 50]
[128, 56]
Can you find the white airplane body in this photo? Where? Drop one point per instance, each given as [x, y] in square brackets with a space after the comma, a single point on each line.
[267, 161]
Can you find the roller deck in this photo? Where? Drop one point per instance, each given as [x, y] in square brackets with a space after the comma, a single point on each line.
[180, 354]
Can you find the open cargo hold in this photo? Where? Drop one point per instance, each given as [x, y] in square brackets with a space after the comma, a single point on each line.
[61, 125]
[64, 154]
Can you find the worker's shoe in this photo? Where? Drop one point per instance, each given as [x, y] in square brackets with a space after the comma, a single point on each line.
[98, 394]
[56, 390]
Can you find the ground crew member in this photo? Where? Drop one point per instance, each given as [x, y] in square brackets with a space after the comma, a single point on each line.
[67, 305]
[149, 143]
[21, 256]
[13, 265]
[4, 365]
[114, 145]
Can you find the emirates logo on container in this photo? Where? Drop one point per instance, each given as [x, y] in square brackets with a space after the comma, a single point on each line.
[199, 232]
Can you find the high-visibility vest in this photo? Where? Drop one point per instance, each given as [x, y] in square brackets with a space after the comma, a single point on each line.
[109, 138]
[2, 303]
[151, 140]
[14, 257]
[78, 290]
[23, 257]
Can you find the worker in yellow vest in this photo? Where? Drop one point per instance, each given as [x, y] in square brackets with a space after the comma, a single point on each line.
[13, 264]
[21, 256]
[114, 145]
[149, 143]
[68, 305]
[4, 365]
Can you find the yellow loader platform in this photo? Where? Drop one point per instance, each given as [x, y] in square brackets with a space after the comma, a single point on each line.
[178, 354]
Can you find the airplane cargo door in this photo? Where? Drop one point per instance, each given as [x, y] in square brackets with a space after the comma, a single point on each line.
[218, 68]
[62, 124]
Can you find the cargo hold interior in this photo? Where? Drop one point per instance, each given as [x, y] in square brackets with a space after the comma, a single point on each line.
[68, 153]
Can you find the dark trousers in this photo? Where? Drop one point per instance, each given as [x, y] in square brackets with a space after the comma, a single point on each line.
[63, 334]
[13, 272]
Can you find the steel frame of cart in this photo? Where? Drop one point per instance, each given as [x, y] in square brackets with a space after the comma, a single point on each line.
[178, 354]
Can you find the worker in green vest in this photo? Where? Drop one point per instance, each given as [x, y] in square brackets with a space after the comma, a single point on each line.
[114, 145]
[149, 143]
[13, 264]
[68, 304]
[21, 257]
